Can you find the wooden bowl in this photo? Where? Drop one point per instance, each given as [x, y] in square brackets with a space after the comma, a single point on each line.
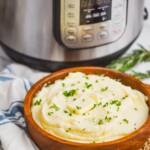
[46, 141]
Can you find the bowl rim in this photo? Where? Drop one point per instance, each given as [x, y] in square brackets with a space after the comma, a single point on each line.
[39, 84]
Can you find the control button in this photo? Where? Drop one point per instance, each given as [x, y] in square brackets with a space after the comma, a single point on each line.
[118, 31]
[71, 31]
[103, 35]
[71, 14]
[88, 28]
[118, 4]
[87, 38]
[117, 15]
[71, 39]
[71, 5]
[118, 22]
[72, 23]
[120, 7]
[103, 26]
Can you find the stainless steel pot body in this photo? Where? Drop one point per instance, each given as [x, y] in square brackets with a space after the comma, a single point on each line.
[27, 26]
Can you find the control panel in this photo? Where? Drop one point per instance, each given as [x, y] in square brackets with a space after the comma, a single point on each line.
[90, 23]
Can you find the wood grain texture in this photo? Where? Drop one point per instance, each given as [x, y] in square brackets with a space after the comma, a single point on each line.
[46, 141]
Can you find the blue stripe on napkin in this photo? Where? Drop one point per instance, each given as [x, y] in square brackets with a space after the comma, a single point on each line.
[13, 115]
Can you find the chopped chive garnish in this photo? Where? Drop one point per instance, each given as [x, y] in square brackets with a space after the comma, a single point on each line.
[108, 119]
[74, 99]
[65, 111]
[78, 107]
[86, 77]
[38, 102]
[87, 85]
[100, 122]
[124, 97]
[108, 112]
[116, 102]
[50, 113]
[72, 84]
[69, 129]
[63, 84]
[106, 104]
[104, 89]
[96, 81]
[100, 104]
[135, 109]
[83, 90]
[126, 121]
[69, 93]
[70, 114]
[83, 100]
[94, 106]
[55, 107]
[118, 109]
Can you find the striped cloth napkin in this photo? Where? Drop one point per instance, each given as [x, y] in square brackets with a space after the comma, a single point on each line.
[15, 81]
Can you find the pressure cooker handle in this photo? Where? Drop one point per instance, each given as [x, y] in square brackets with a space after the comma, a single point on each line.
[145, 14]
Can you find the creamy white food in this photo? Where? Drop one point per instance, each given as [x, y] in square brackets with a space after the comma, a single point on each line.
[89, 108]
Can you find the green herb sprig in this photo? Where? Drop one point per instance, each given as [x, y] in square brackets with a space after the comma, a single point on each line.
[126, 63]
[141, 75]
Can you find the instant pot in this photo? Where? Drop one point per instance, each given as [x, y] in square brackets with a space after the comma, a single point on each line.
[54, 34]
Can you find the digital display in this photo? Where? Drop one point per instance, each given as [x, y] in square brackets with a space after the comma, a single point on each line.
[94, 11]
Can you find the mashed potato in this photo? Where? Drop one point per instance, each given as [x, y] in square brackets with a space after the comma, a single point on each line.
[89, 108]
